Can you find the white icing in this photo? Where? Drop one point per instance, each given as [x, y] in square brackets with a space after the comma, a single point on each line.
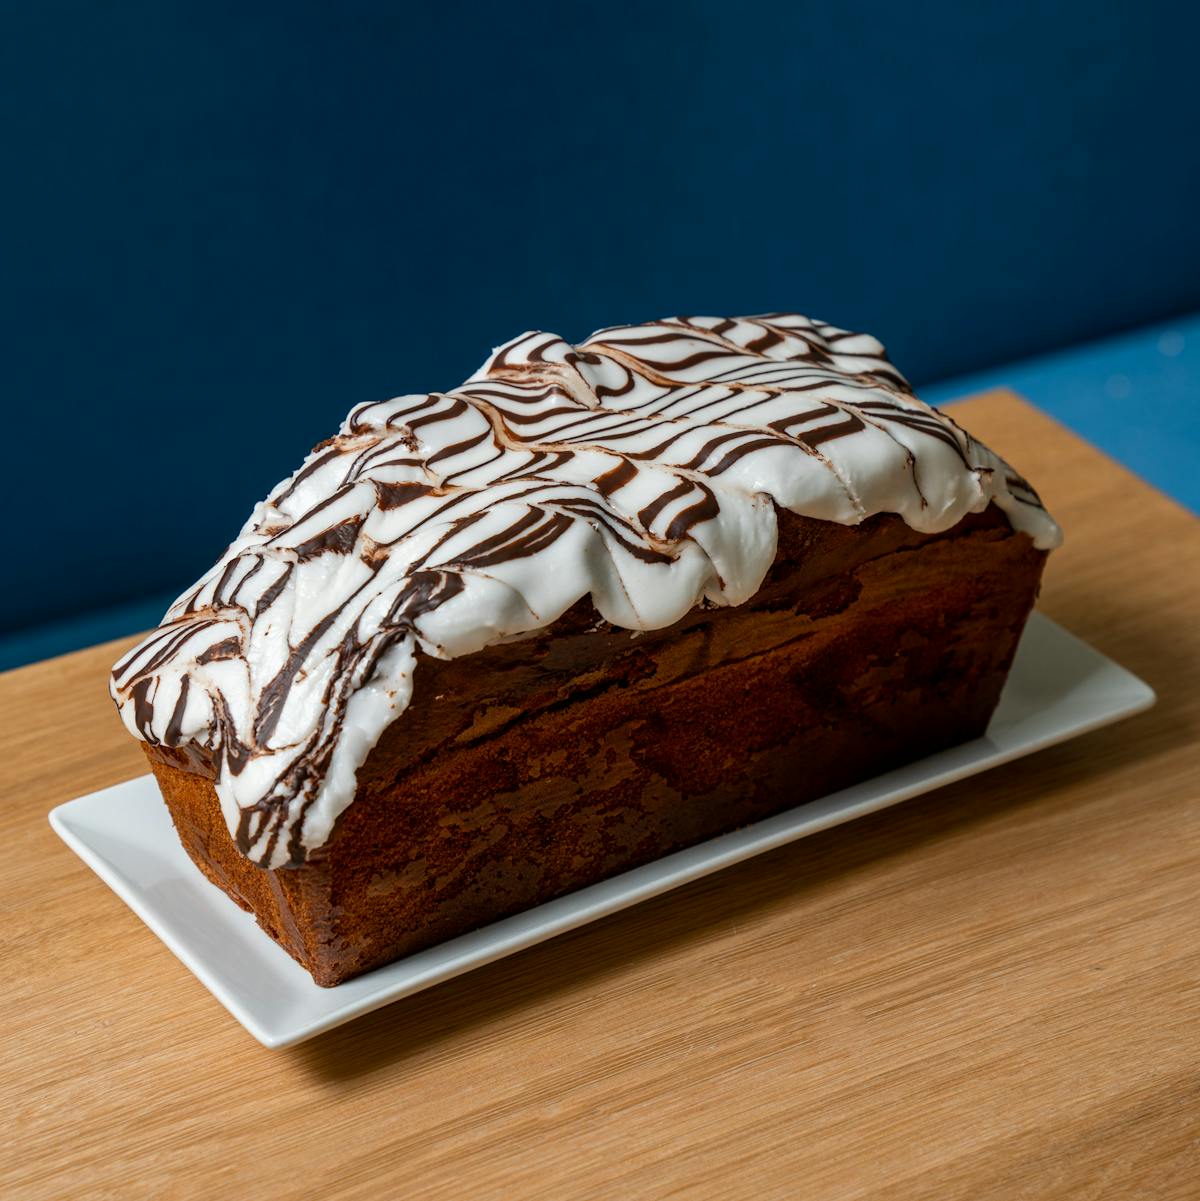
[697, 396]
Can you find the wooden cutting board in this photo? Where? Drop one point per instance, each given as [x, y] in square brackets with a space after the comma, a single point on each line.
[992, 991]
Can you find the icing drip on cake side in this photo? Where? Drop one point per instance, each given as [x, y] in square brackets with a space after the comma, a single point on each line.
[641, 468]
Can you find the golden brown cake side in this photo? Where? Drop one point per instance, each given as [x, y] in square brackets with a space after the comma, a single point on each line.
[534, 768]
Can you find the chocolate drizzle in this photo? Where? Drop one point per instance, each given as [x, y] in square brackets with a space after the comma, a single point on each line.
[642, 467]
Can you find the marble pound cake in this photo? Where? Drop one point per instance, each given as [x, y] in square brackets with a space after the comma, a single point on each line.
[491, 645]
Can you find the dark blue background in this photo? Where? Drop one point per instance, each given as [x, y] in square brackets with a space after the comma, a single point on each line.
[226, 223]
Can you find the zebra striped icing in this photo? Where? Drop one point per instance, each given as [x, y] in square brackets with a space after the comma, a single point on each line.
[641, 468]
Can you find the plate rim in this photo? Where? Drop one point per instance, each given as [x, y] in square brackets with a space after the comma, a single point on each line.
[543, 922]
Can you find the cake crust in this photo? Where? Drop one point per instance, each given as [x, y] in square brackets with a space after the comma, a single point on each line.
[535, 768]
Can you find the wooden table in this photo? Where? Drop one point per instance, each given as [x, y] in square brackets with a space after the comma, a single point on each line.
[988, 992]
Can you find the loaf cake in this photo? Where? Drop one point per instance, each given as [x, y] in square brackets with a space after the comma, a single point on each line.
[492, 645]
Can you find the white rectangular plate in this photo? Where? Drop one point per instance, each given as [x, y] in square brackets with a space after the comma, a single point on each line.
[1059, 687]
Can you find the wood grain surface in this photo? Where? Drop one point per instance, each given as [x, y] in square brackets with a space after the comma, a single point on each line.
[988, 992]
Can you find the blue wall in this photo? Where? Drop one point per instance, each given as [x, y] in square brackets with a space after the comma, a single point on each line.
[226, 223]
